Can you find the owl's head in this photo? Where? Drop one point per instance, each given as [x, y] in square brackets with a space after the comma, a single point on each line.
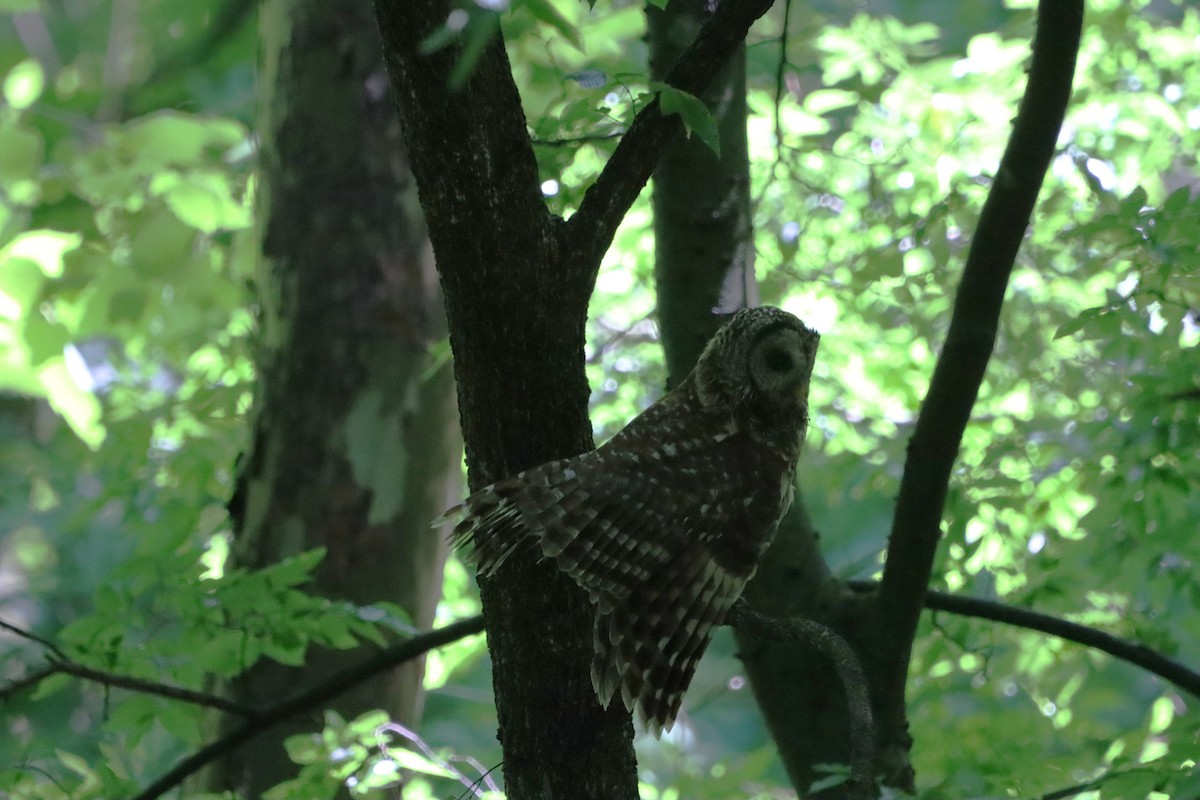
[759, 364]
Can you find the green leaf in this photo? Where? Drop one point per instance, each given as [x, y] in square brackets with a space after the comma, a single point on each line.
[480, 30]
[202, 200]
[91, 781]
[1132, 205]
[24, 84]
[45, 248]
[44, 339]
[695, 115]
[51, 685]
[20, 158]
[547, 12]
[294, 570]
[172, 138]
[21, 283]
[366, 724]
[417, 762]
[76, 405]
[305, 748]
[823, 101]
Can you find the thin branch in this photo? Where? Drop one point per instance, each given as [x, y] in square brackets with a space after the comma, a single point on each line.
[311, 698]
[590, 230]
[33, 637]
[780, 71]
[61, 665]
[591, 137]
[1134, 653]
[142, 686]
[30, 680]
[849, 670]
[971, 337]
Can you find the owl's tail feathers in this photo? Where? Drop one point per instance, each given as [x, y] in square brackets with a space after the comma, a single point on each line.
[651, 641]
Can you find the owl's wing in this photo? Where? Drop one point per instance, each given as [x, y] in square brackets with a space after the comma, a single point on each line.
[635, 524]
[622, 534]
[492, 523]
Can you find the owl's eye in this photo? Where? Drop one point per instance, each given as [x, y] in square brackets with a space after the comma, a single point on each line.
[778, 360]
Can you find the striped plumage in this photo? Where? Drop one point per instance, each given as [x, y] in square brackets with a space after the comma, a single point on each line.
[665, 523]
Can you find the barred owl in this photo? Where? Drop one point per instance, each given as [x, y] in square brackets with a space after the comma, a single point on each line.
[665, 523]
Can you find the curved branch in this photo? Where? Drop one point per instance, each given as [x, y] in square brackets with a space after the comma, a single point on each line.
[591, 229]
[972, 334]
[854, 682]
[1134, 653]
[311, 698]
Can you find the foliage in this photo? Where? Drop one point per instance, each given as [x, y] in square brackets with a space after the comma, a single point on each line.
[125, 307]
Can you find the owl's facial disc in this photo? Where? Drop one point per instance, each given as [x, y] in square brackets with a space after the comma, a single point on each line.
[780, 366]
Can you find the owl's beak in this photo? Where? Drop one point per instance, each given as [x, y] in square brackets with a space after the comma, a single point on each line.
[801, 393]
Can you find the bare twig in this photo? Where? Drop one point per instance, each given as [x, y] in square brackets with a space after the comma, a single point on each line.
[33, 637]
[30, 680]
[1133, 652]
[849, 670]
[142, 686]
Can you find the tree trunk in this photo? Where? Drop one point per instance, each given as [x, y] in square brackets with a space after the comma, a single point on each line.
[516, 327]
[355, 447]
[517, 283]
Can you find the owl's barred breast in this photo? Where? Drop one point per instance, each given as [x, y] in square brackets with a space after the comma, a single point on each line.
[664, 524]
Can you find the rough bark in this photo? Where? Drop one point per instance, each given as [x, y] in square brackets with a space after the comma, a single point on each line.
[517, 333]
[517, 283]
[355, 449]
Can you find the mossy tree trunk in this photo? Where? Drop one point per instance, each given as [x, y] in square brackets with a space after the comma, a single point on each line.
[356, 445]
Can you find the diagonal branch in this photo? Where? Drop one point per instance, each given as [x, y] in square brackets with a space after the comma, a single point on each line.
[591, 229]
[16, 630]
[960, 368]
[61, 665]
[311, 698]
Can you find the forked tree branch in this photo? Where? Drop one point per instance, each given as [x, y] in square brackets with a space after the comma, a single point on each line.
[590, 231]
[933, 449]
